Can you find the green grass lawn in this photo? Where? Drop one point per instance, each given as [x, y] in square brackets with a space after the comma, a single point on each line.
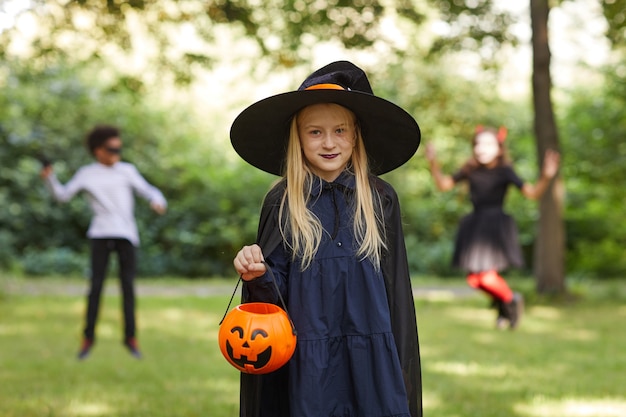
[567, 359]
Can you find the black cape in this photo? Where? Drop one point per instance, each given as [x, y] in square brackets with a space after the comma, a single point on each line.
[272, 388]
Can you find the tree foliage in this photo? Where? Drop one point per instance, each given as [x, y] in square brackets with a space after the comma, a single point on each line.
[593, 132]
[53, 98]
[615, 15]
[477, 26]
[181, 33]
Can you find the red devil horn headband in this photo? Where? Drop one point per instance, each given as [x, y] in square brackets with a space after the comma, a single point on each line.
[500, 134]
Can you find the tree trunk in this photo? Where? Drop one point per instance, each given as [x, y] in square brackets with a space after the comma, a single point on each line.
[550, 242]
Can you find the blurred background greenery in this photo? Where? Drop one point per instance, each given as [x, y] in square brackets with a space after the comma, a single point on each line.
[173, 74]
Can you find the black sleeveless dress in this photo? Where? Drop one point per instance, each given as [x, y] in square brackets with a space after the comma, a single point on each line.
[487, 238]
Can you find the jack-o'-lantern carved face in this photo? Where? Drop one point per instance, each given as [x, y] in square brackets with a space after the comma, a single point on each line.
[257, 338]
[252, 351]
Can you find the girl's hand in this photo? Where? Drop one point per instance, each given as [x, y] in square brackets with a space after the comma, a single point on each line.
[551, 163]
[430, 152]
[249, 262]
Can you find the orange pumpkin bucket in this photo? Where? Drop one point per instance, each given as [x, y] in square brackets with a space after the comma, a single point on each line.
[257, 338]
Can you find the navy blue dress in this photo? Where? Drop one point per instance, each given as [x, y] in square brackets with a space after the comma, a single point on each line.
[346, 361]
[487, 238]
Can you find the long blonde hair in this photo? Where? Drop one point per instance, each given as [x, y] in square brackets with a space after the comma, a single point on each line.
[302, 229]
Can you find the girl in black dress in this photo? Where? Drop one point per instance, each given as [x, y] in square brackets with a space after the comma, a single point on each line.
[487, 240]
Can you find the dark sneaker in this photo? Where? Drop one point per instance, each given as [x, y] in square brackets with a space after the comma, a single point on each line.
[502, 320]
[133, 347]
[517, 309]
[85, 348]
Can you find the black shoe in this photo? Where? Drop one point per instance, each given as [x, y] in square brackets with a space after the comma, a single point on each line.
[133, 347]
[516, 310]
[85, 348]
[502, 320]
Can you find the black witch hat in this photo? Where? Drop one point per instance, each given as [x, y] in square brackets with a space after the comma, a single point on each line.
[391, 135]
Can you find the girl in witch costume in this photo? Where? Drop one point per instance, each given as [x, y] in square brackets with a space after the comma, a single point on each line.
[331, 231]
[487, 240]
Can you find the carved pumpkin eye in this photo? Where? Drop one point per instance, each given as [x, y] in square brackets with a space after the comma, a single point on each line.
[239, 330]
[258, 332]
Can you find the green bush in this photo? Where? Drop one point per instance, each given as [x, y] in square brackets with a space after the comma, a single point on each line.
[7, 254]
[54, 261]
[214, 197]
[594, 168]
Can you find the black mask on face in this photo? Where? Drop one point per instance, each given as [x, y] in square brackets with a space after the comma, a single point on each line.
[114, 151]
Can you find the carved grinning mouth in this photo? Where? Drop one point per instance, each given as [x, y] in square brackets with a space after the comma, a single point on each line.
[242, 362]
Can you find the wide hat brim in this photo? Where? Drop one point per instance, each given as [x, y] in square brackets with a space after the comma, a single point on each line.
[260, 133]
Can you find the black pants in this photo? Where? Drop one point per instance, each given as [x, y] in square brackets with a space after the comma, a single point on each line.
[100, 251]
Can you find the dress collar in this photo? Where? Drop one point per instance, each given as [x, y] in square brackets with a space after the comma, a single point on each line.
[345, 180]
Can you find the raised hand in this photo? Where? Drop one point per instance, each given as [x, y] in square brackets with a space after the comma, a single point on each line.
[430, 152]
[551, 162]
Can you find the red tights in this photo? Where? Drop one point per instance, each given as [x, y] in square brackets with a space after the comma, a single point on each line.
[492, 283]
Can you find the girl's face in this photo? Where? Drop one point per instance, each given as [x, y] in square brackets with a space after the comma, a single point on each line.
[486, 148]
[327, 136]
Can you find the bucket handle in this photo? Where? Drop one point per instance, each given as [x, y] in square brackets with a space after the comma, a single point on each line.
[280, 296]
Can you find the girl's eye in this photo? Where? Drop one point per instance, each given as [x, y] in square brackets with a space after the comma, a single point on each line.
[314, 132]
[340, 131]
